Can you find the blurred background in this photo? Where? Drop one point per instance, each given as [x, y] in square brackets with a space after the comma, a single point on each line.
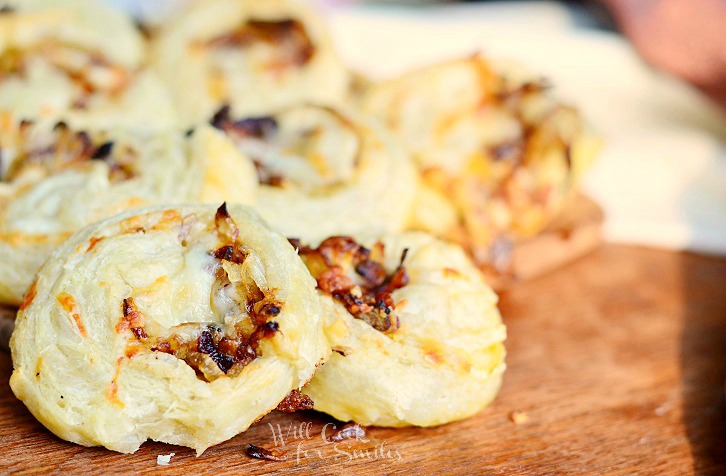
[650, 75]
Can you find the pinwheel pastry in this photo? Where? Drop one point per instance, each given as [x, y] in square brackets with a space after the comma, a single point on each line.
[324, 171]
[416, 334]
[499, 155]
[175, 324]
[55, 180]
[257, 56]
[80, 61]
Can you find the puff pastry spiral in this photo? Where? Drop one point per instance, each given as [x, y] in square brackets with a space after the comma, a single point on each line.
[177, 324]
[79, 61]
[256, 56]
[499, 155]
[416, 333]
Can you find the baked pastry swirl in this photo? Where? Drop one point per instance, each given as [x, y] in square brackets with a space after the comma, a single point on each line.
[79, 61]
[324, 171]
[499, 155]
[177, 324]
[416, 334]
[256, 56]
[55, 180]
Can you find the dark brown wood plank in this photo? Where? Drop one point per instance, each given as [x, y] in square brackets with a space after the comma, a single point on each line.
[618, 360]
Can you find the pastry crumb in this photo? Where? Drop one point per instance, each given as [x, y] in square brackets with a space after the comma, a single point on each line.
[518, 417]
[164, 460]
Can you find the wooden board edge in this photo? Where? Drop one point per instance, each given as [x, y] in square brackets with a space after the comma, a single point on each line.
[576, 232]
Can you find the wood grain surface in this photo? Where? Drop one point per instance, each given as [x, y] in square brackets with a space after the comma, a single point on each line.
[616, 362]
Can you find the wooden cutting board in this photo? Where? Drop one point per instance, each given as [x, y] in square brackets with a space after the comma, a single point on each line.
[617, 363]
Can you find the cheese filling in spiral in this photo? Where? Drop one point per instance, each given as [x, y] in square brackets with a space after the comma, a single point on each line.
[79, 61]
[416, 334]
[54, 180]
[499, 155]
[177, 324]
[324, 171]
[256, 56]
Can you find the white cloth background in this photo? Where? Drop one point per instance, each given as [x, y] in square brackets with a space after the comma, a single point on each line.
[661, 178]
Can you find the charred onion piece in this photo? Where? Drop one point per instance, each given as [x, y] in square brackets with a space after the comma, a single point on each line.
[230, 350]
[291, 41]
[257, 127]
[263, 453]
[132, 319]
[261, 128]
[224, 224]
[64, 148]
[349, 273]
[103, 151]
[231, 253]
[231, 250]
[295, 401]
[206, 345]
